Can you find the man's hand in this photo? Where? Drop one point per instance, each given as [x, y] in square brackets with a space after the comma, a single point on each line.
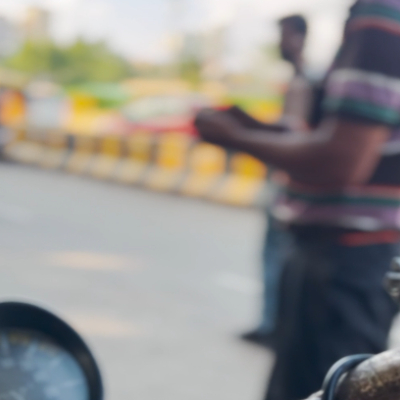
[218, 128]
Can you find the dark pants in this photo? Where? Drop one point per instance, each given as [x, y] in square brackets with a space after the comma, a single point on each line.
[332, 305]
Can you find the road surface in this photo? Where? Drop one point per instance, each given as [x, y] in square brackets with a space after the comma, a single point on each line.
[159, 285]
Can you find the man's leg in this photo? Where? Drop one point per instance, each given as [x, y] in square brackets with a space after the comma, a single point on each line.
[275, 248]
[333, 305]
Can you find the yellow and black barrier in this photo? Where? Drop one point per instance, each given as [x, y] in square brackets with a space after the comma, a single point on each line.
[137, 158]
[82, 154]
[27, 146]
[56, 150]
[170, 162]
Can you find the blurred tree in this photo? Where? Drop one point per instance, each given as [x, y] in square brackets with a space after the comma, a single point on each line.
[37, 58]
[190, 69]
[80, 62]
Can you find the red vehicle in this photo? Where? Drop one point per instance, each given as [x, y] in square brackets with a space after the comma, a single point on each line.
[164, 113]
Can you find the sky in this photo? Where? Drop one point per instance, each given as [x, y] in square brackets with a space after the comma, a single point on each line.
[139, 29]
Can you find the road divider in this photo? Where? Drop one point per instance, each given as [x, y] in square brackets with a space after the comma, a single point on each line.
[245, 182]
[138, 158]
[26, 148]
[169, 162]
[206, 170]
[55, 151]
[84, 149]
[104, 164]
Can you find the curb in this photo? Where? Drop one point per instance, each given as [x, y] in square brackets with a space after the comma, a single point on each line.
[170, 163]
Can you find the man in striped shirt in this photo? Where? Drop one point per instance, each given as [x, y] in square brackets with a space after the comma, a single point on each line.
[342, 207]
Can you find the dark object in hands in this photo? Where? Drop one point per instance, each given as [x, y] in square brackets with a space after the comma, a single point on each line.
[208, 130]
[219, 126]
[237, 116]
[247, 121]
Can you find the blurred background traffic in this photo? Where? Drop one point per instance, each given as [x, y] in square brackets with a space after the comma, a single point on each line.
[122, 66]
[125, 69]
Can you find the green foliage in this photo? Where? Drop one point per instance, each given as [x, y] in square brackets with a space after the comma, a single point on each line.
[107, 95]
[80, 62]
[190, 69]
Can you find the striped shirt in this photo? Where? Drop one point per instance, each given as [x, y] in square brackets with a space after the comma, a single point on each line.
[363, 85]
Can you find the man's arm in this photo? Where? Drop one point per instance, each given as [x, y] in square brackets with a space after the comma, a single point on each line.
[339, 154]
[342, 153]
[362, 101]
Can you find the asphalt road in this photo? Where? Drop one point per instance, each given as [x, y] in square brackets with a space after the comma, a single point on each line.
[159, 285]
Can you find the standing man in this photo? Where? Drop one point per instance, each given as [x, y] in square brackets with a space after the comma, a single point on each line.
[342, 207]
[296, 111]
